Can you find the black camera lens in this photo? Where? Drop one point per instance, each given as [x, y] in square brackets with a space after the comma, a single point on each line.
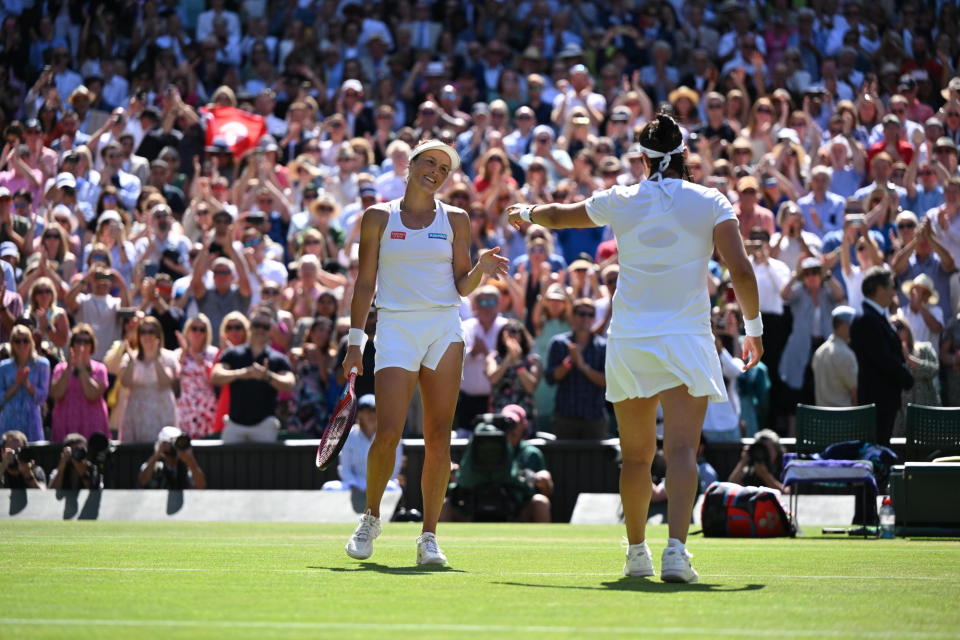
[79, 453]
[182, 443]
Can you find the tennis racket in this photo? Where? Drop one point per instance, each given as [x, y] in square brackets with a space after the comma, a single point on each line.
[335, 434]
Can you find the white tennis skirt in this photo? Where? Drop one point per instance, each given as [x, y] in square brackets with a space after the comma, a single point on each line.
[411, 339]
[643, 367]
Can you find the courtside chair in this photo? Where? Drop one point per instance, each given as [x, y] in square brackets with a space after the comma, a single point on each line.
[818, 428]
[932, 430]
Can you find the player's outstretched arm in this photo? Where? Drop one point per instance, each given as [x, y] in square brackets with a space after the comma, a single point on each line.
[552, 216]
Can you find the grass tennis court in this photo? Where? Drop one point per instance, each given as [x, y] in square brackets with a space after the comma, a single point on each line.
[184, 580]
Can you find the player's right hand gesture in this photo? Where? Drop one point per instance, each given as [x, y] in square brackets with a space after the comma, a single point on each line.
[353, 360]
[492, 263]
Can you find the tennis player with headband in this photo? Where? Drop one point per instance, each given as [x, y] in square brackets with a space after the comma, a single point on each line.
[415, 253]
[660, 349]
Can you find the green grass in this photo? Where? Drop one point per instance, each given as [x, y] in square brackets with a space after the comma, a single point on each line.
[199, 580]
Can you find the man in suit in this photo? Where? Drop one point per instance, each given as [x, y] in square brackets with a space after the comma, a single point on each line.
[883, 372]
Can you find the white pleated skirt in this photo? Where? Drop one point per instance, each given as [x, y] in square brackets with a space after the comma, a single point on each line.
[643, 367]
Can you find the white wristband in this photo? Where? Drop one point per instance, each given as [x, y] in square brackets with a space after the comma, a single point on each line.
[754, 327]
[525, 213]
[357, 338]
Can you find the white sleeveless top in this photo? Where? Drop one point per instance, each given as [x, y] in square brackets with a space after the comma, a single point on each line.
[415, 271]
[664, 231]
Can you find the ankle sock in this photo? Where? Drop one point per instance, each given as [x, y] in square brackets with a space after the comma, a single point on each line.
[673, 542]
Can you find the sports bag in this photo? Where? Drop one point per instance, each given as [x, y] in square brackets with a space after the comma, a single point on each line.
[733, 511]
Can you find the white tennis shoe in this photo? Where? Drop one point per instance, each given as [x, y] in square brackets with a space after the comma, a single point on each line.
[360, 545]
[639, 562]
[428, 552]
[675, 566]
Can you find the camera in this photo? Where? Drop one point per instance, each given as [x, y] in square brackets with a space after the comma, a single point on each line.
[759, 454]
[79, 453]
[182, 443]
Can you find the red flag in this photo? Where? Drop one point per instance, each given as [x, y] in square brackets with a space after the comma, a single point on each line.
[240, 129]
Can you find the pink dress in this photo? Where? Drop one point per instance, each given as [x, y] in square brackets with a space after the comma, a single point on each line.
[73, 413]
[197, 405]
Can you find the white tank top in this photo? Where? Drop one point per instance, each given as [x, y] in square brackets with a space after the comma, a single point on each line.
[415, 270]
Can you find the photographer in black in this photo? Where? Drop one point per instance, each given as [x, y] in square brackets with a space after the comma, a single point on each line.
[761, 463]
[501, 477]
[76, 469]
[172, 465]
[19, 469]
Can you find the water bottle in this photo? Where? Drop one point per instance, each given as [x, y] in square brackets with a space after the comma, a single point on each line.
[887, 520]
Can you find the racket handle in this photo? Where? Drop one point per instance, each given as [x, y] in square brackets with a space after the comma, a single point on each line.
[354, 371]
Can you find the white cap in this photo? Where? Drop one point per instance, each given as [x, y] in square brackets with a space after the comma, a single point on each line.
[66, 180]
[109, 215]
[169, 434]
[9, 249]
[430, 145]
[788, 134]
[352, 84]
[4, 192]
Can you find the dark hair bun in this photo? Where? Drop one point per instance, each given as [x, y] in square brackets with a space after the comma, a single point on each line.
[661, 134]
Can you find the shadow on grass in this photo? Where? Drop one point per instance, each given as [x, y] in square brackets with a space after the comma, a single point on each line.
[644, 585]
[382, 568]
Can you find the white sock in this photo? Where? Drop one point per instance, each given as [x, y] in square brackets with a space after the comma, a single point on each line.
[642, 543]
[673, 542]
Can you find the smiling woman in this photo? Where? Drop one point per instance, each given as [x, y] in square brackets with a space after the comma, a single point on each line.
[415, 252]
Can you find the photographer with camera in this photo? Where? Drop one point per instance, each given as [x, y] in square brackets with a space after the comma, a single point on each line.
[501, 477]
[19, 469]
[761, 463]
[172, 465]
[75, 470]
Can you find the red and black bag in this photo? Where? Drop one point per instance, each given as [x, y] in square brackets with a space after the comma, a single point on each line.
[732, 511]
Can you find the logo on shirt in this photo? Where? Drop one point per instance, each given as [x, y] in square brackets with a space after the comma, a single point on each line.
[437, 236]
[398, 235]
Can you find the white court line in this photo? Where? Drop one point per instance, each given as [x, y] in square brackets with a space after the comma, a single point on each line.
[467, 573]
[466, 628]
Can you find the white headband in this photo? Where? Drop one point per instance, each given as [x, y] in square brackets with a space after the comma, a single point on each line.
[665, 156]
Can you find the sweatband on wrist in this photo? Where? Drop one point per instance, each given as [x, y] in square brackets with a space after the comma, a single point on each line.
[357, 338]
[754, 327]
[526, 212]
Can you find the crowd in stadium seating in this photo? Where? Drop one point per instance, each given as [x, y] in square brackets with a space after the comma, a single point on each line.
[181, 184]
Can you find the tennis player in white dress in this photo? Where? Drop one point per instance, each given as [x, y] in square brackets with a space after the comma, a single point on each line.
[415, 255]
[660, 349]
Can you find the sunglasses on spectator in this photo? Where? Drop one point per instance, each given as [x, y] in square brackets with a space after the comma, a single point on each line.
[270, 291]
[928, 172]
[537, 250]
[19, 205]
[103, 276]
[524, 116]
[99, 257]
[263, 326]
[198, 328]
[51, 236]
[235, 327]
[222, 221]
[764, 110]
[585, 314]
[512, 331]
[543, 140]
[222, 272]
[336, 124]
[253, 242]
[310, 242]
[20, 341]
[324, 207]
[486, 302]
[906, 225]
[715, 105]
[742, 151]
[81, 340]
[148, 332]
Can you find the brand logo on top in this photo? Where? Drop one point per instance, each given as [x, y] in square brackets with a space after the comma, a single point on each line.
[437, 236]
[398, 235]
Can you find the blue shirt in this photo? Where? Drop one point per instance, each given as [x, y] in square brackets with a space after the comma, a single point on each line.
[573, 242]
[577, 396]
[830, 211]
[845, 182]
[925, 200]
[22, 410]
